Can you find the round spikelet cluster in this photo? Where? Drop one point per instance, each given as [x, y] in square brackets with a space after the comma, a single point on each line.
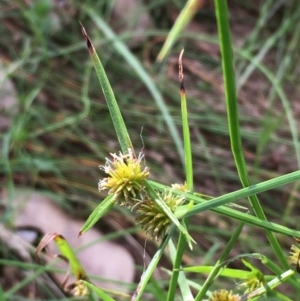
[180, 187]
[153, 219]
[126, 177]
[294, 257]
[80, 289]
[224, 295]
[253, 281]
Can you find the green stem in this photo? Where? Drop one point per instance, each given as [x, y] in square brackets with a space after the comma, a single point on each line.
[151, 267]
[189, 183]
[214, 272]
[233, 119]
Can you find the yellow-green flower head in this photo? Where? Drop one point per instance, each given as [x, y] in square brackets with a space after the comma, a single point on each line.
[80, 289]
[181, 187]
[295, 257]
[153, 219]
[254, 280]
[126, 178]
[224, 295]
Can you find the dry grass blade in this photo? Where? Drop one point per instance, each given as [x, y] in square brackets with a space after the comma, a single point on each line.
[181, 71]
[68, 256]
[42, 245]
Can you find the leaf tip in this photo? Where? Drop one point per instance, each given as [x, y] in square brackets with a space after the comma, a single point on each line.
[182, 89]
[87, 38]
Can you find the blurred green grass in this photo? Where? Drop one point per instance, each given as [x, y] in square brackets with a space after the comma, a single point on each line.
[63, 131]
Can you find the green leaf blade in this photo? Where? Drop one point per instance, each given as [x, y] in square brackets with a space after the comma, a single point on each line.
[97, 213]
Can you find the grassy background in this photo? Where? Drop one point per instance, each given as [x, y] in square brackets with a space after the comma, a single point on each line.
[63, 131]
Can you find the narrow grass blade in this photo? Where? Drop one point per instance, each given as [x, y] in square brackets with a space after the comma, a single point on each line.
[270, 286]
[186, 130]
[97, 213]
[230, 90]
[2, 295]
[225, 272]
[187, 13]
[66, 253]
[218, 266]
[112, 104]
[151, 267]
[189, 183]
[216, 204]
[182, 280]
[233, 119]
[134, 63]
[242, 193]
[242, 274]
[203, 205]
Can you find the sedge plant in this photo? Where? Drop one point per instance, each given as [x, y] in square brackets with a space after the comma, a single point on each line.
[162, 210]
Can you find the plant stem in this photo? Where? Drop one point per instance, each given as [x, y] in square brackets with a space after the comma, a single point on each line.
[233, 119]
